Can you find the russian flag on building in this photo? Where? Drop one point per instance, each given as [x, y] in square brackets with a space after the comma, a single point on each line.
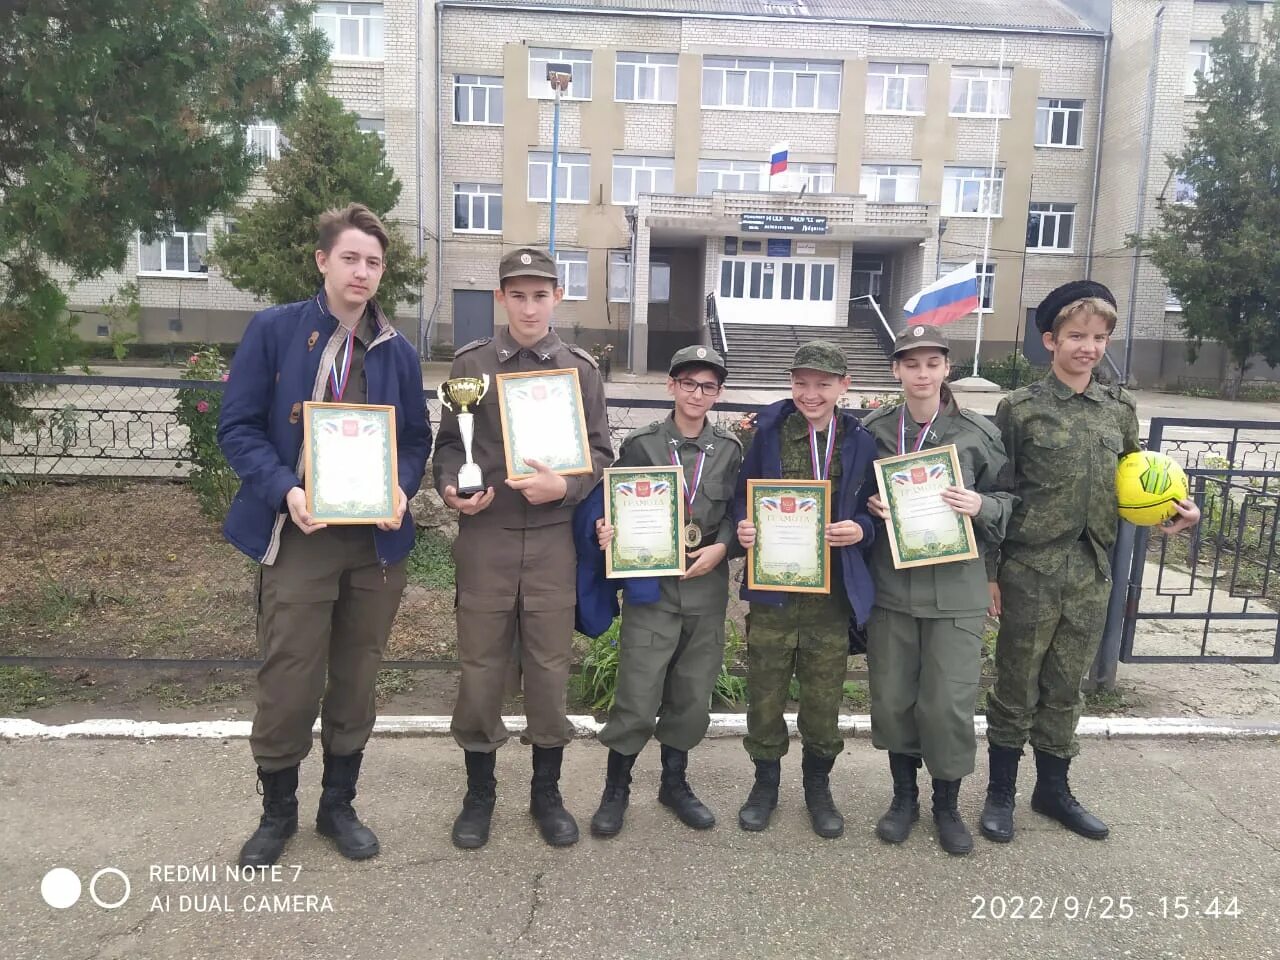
[778, 159]
[947, 298]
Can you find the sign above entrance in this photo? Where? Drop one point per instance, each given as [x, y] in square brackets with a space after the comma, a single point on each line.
[781, 223]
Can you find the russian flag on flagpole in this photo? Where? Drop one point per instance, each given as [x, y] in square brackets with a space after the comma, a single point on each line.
[778, 159]
[947, 298]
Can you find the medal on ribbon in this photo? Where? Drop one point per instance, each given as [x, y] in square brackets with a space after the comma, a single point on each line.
[338, 378]
[902, 430]
[820, 471]
[692, 532]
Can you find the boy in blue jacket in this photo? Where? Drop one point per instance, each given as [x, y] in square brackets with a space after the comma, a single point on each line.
[327, 596]
[806, 635]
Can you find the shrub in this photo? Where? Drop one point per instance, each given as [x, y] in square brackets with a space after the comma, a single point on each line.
[1010, 371]
[212, 478]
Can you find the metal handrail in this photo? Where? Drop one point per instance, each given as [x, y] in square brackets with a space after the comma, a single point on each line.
[883, 322]
[714, 321]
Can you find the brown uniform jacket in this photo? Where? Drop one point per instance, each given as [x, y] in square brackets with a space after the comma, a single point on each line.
[501, 354]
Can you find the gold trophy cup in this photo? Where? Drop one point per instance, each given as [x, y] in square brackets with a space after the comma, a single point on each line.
[458, 394]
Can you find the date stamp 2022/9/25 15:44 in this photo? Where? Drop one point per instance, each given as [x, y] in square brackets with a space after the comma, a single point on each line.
[1105, 907]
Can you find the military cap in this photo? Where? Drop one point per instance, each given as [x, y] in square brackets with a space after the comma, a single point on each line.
[528, 262]
[1064, 296]
[920, 335]
[704, 356]
[821, 355]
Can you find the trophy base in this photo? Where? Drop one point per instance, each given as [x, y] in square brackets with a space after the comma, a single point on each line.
[469, 480]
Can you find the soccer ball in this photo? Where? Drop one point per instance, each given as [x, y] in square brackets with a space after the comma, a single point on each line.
[1147, 485]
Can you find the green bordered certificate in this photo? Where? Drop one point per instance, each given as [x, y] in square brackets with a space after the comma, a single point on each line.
[543, 420]
[646, 510]
[350, 462]
[790, 552]
[922, 529]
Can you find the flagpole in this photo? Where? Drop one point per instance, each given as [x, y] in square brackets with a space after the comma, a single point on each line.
[983, 277]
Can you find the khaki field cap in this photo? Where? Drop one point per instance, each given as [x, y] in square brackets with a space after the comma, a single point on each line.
[920, 335]
[821, 355]
[528, 262]
[703, 356]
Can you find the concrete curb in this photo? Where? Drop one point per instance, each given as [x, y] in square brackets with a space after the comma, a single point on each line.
[585, 728]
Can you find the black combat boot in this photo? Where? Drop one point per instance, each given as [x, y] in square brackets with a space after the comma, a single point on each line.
[904, 809]
[336, 817]
[279, 818]
[762, 799]
[676, 793]
[545, 803]
[997, 813]
[953, 835]
[826, 819]
[607, 821]
[471, 826]
[1052, 797]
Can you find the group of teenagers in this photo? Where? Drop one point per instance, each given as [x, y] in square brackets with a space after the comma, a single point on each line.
[1038, 486]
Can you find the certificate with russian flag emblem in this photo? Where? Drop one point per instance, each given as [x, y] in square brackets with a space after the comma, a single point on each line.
[921, 528]
[349, 468]
[543, 419]
[646, 510]
[790, 553]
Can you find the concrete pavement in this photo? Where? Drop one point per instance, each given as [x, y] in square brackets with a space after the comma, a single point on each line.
[1190, 819]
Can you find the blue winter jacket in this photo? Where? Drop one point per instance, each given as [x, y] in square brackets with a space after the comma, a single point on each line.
[281, 362]
[857, 482]
[598, 596]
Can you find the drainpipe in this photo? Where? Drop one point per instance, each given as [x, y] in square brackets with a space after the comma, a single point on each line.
[1097, 154]
[417, 154]
[439, 265]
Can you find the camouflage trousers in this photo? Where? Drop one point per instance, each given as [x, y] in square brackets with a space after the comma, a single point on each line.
[1050, 629]
[808, 638]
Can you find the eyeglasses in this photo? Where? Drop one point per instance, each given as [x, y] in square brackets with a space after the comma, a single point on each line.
[708, 387]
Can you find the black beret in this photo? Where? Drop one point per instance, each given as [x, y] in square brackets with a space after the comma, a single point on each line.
[1064, 296]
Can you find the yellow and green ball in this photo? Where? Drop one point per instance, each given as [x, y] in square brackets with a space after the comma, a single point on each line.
[1148, 484]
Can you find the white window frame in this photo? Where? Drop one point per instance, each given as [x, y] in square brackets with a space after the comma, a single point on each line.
[873, 269]
[369, 38]
[573, 176]
[374, 125]
[986, 283]
[754, 83]
[733, 171]
[1054, 219]
[486, 89]
[1184, 190]
[1051, 112]
[262, 140]
[660, 70]
[643, 175]
[967, 81]
[896, 82]
[579, 82]
[175, 236]
[1171, 302]
[1199, 60]
[619, 276]
[480, 198]
[955, 181]
[571, 265]
[819, 177]
[875, 175]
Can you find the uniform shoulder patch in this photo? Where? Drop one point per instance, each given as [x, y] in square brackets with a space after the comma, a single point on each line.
[879, 413]
[982, 422]
[467, 347]
[726, 433]
[584, 354]
[1125, 397]
[1023, 394]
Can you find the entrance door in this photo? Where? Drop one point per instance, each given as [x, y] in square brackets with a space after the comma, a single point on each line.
[784, 291]
[472, 315]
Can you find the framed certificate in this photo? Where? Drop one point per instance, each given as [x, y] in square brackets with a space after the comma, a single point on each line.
[790, 552]
[922, 529]
[349, 462]
[543, 420]
[646, 510]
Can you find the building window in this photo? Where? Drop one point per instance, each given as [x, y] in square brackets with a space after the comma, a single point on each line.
[1059, 122]
[659, 282]
[181, 252]
[896, 87]
[868, 274]
[645, 77]
[572, 177]
[477, 207]
[1184, 191]
[571, 265]
[890, 183]
[373, 125]
[980, 91]
[972, 190]
[730, 175]
[262, 140]
[633, 176]
[1171, 302]
[770, 84]
[619, 276]
[477, 99]
[1050, 226]
[354, 29]
[578, 60]
[817, 177]
[986, 282]
[1199, 63]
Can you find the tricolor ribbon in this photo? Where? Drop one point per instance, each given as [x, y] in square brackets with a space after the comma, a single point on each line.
[813, 450]
[902, 430]
[690, 493]
[338, 381]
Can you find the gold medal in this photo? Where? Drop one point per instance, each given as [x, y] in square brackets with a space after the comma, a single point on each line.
[692, 535]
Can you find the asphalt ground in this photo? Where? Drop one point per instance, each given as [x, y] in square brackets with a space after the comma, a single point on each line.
[1192, 869]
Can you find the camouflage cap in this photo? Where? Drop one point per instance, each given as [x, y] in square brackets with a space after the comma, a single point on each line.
[528, 262]
[821, 355]
[701, 356]
[920, 335]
